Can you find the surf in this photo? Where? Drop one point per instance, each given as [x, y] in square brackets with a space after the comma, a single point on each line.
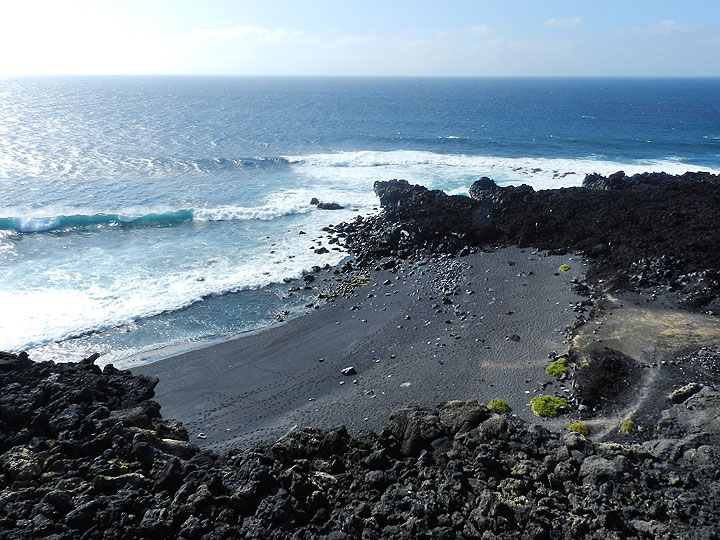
[445, 171]
[38, 224]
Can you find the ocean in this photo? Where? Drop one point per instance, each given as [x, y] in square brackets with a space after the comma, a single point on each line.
[143, 216]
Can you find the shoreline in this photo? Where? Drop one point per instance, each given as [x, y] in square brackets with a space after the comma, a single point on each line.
[281, 300]
[313, 297]
[409, 347]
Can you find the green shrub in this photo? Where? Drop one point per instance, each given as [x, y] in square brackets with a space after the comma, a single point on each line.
[564, 267]
[499, 406]
[558, 368]
[359, 280]
[579, 427]
[547, 406]
[628, 427]
[350, 284]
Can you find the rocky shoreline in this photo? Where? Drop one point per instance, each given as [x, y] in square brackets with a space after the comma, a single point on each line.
[650, 230]
[85, 453]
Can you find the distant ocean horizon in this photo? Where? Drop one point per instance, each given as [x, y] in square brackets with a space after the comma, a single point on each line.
[143, 215]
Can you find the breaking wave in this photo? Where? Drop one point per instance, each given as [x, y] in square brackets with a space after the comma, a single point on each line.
[149, 217]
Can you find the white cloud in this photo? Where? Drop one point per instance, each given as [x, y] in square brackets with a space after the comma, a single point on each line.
[664, 28]
[553, 23]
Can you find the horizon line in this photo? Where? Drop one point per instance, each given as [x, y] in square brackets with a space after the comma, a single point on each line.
[347, 76]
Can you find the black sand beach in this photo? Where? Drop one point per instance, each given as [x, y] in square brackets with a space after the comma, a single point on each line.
[476, 327]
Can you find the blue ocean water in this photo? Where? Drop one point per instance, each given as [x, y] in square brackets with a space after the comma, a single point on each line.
[142, 215]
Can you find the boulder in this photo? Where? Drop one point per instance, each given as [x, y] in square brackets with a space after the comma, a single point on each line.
[325, 205]
[458, 416]
[21, 463]
[329, 206]
[682, 394]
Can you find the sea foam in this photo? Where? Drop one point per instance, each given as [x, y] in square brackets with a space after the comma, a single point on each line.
[70, 305]
[448, 170]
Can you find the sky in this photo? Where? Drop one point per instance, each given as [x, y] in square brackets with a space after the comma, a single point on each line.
[368, 37]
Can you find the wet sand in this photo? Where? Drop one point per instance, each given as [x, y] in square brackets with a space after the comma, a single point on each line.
[474, 327]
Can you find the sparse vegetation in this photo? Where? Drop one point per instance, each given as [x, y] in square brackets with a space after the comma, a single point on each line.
[547, 406]
[628, 427]
[499, 406]
[350, 284]
[579, 427]
[359, 280]
[558, 368]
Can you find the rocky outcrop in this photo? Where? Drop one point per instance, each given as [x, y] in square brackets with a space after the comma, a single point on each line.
[85, 454]
[325, 205]
[485, 190]
[416, 219]
[647, 230]
[620, 180]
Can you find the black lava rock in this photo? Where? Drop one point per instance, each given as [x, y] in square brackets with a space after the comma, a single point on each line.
[118, 470]
[646, 230]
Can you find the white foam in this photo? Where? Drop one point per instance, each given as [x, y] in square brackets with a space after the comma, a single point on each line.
[35, 224]
[239, 213]
[447, 171]
[63, 309]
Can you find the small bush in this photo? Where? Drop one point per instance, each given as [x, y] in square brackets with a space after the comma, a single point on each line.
[547, 406]
[579, 427]
[558, 368]
[349, 285]
[564, 267]
[628, 427]
[359, 280]
[499, 406]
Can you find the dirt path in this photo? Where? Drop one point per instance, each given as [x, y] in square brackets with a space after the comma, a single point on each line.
[650, 347]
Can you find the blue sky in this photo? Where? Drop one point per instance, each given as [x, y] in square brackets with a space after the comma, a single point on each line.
[319, 37]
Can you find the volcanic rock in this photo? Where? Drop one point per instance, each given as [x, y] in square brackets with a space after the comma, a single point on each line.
[613, 220]
[325, 205]
[455, 471]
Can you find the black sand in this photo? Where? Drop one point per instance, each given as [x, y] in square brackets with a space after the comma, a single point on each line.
[407, 345]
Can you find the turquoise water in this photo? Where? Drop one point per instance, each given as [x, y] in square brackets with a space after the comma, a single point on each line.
[141, 213]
